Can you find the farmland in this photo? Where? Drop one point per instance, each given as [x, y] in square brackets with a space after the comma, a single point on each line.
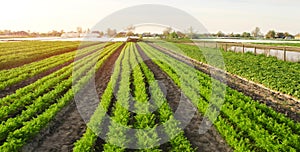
[139, 87]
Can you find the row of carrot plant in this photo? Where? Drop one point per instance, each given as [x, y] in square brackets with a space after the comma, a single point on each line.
[17, 127]
[13, 76]
[269, 71]
[117, 139]
[18, 53]
[246, 124]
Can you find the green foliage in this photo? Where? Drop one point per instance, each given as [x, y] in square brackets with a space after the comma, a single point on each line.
[16, 131]
[87, 141]
[144, 121]
[246, 124]
[13, 76]
[271, 34]
[17, 53]
[269, 71]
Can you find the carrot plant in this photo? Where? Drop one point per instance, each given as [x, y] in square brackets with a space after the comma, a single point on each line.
[253, 125]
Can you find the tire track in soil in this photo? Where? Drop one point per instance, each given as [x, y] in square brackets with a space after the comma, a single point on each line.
[68, 125]
[211, 140]
[12, 89]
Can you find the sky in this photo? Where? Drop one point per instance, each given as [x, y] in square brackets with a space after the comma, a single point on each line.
[227, 16]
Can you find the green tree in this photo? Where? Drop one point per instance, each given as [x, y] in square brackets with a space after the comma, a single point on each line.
[220, 34]
[173, 35]
[271, 34]
[180, 34]
[129, 30]
[280, 35]
[246, 35]
[256, 32]
[237, 35]
[191, 33]
[167, 32]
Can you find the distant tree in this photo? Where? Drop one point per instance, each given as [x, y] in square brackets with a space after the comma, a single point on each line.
[129, 33]
[287, 34]
[246, 35]
[140, 36]
[191, 33]
[256, 32]
[101, 34]
[271, 34]
[280, 35]
[220, 34]
[231, 35]
[7, 32]
[167, 31]
[79, 30]
[120, 34]
[111, 32]
[129, 30]
[180, 34]
[173, 35]
[237, 35]
[54, 33]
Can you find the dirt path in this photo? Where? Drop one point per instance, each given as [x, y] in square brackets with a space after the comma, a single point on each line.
[12, 89]
[211, 140]
[282, 103]
[68, 126]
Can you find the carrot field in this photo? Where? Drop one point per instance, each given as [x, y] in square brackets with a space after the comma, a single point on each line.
[249, 103]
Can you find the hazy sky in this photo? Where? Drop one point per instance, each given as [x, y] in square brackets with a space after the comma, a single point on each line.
[225, 15]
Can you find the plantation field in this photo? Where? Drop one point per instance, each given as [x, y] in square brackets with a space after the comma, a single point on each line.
[145, 96]
[275, 74]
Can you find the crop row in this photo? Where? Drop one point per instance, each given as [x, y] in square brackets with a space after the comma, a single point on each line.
[253, 126]
[13, 76]
[43, 85]
[269, 71]
[171, 126]
[144, 120]
[26, 54]
[8, 107]
[15, 131]
[86, 143]
[31, 46]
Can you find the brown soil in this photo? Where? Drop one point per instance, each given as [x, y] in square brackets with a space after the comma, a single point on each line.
[280, 102]
[68, 125]
[11, 89]
[211, 140]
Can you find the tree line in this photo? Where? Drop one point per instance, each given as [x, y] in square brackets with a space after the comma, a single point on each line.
[167, 33]
[256, 33]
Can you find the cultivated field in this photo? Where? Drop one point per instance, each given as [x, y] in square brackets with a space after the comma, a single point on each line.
[251, 100]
